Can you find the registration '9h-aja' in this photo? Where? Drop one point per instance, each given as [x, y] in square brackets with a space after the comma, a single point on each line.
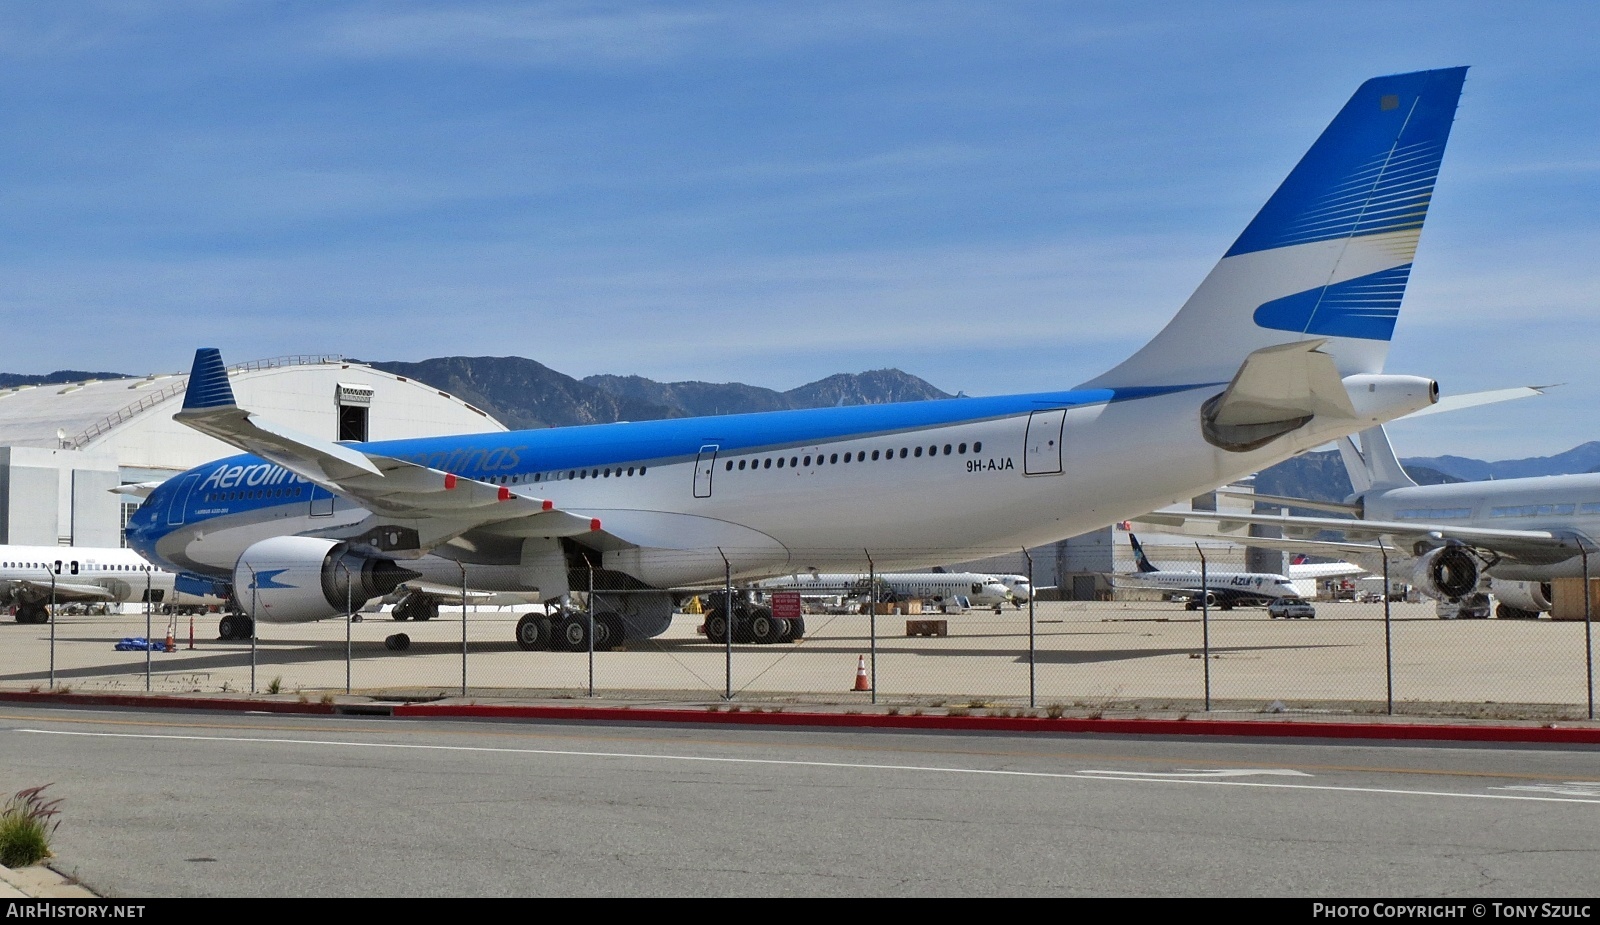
[1279, 350]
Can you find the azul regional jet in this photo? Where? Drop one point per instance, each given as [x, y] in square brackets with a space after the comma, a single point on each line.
[1279, 350]
[1225, 589]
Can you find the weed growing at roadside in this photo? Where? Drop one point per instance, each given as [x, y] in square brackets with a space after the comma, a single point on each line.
[275, 686]
[26, 824]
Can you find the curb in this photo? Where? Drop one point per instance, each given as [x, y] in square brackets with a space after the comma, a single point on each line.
[39, 882]
[1284, 727]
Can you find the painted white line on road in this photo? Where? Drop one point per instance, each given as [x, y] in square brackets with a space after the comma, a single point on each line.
[1213, 772]
[1125, 776]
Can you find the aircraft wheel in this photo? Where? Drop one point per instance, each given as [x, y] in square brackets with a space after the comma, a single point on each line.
[227, 627]
[534, 633]
[425, 610]
[610, 631]
[572, 633]
[247, 626]
[797, 629]
[764, 628]
[717, 627]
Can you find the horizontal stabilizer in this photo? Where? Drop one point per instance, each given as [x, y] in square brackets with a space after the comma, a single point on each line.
[1281, 383]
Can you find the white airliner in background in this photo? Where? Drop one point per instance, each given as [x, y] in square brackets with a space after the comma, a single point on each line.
[32, 577]
[978, 590]
[1223, 589]
[1281, 349]
[1510, 537]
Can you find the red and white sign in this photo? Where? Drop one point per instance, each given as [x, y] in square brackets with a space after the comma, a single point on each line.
[786, 604]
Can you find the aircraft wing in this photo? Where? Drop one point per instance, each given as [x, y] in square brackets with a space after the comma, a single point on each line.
[65, 592]
[439, 505]
[448, 593]
[1531, 546]
[1326, 570]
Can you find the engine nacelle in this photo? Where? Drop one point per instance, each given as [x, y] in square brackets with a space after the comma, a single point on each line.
[1447, 573]
[1531, 597]
[297, 579]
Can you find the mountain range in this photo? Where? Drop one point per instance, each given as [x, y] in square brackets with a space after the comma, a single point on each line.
[523, 393]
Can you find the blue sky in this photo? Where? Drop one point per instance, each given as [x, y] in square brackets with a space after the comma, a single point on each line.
[996, 197]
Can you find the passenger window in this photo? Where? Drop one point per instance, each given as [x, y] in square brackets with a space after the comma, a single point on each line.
[874, 455]
[918, 452]
[977, 447]
[741, 464]
[793, 461]
[902, 452]
[947, 449]
[833, 459]
[780, 462]
[729, 467]
[767, 463]
[808, 461]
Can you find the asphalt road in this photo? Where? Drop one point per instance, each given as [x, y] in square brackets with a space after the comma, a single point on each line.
[166, 804]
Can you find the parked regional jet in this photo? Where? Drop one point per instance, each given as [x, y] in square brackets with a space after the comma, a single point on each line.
[33, 578]
[1224, 589]
[1508, 536]
[1279, 350]
[939, 587]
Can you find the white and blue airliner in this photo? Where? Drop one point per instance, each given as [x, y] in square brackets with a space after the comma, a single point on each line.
[1281, 349]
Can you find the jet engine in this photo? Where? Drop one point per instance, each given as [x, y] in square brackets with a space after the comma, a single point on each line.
[1521, 599]
[1446, 573]
[297, 579]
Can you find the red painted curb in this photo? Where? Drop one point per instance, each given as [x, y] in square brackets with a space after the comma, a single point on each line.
[1276, 728]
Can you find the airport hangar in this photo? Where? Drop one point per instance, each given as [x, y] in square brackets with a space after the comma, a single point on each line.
[65, 448]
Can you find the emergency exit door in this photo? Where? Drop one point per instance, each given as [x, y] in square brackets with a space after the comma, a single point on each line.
[704, 465]
[1042, 454]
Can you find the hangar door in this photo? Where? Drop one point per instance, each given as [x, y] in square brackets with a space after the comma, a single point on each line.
[703, 467]
[1042, 454]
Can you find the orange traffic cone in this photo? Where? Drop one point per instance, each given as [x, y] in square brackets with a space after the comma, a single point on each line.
[171, 646]
[862, 684]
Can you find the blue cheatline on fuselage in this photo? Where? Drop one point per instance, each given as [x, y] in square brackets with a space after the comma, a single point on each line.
[523, 452]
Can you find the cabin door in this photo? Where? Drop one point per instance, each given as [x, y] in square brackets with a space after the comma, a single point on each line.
[704, 466]
[1042, 453]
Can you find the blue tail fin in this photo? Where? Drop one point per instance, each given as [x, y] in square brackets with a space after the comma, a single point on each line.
[1328, 257]
[208, 381]
[1139, 557]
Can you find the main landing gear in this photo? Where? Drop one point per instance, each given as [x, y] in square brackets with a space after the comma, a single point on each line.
[33, 613]
[235, 627]
[569, 630]
[752, 623]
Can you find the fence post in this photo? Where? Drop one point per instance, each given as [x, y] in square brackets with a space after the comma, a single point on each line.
[1388, 632]
[254, 609]
[591, 629]
[349, 617]
[727, 641]
[463, 567]
[52, 618]
[1032, 665]
[1588, 629]
[147, 627]
[872, 622]
[1205, 623]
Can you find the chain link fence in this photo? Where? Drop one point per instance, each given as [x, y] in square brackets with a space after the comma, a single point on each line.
[1368, 647]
